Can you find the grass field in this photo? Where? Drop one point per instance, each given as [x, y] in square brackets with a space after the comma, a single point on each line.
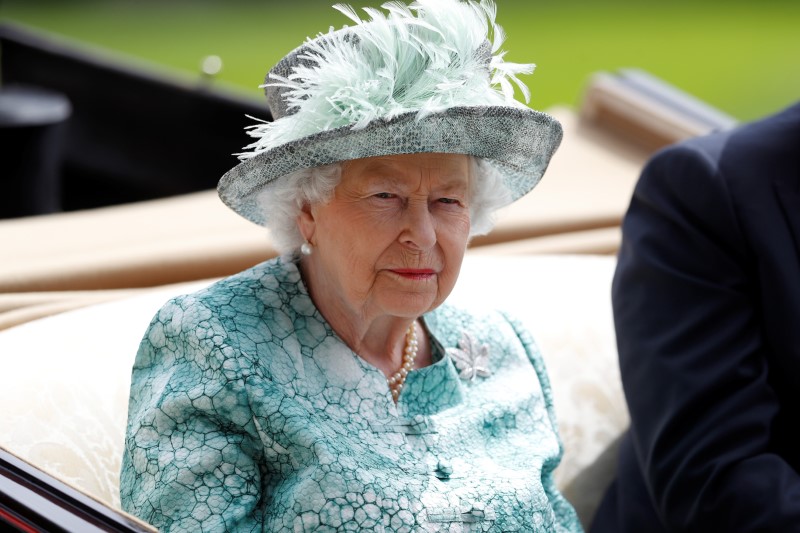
[740, 56]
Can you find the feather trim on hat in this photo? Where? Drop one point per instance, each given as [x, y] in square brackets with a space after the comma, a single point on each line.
[424, 57]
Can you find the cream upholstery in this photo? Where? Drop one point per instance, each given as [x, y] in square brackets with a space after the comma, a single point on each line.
[65, 379]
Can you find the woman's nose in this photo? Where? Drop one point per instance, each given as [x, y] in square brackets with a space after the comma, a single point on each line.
[418, 226]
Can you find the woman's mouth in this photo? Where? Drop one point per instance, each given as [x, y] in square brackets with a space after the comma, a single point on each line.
[415, 273]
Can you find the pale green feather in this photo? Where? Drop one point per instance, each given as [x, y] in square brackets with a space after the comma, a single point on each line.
[413, 58]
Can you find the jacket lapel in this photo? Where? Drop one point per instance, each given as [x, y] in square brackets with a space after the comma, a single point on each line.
[788, 192]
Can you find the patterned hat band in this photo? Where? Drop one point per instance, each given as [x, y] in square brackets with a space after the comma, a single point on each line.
[429, 77]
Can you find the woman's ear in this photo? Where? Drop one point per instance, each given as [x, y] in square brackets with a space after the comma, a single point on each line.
[306, 223]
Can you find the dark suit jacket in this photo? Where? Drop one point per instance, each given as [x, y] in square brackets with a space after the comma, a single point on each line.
[706, 301]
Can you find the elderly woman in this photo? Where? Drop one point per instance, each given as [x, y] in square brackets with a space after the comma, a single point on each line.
[332, 388]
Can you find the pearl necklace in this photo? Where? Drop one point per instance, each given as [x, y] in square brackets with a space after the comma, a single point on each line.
[398, 379]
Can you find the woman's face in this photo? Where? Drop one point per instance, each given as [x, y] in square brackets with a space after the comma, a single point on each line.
[392, 239]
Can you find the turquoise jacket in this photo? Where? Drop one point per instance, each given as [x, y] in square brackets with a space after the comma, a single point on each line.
[248, 413]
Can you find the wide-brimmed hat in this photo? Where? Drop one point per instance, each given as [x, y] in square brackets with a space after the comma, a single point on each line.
[428, 77]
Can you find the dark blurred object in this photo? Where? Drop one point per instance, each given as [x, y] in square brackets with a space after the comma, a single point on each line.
[134, 134]
[32, 123]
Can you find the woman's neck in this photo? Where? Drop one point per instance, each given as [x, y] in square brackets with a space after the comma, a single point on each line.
[379, 340]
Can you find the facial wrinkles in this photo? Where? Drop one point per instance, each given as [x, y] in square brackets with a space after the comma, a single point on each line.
[420, 220]
[429, 225]
[409, 230]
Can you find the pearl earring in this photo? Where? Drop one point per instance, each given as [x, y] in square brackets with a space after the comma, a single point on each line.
[306, 248]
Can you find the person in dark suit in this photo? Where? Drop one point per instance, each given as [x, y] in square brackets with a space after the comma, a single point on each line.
[706, 300]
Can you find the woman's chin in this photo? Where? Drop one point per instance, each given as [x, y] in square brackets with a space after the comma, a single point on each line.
[411, 305]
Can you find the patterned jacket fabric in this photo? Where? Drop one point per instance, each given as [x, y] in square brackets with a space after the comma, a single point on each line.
[248, 413]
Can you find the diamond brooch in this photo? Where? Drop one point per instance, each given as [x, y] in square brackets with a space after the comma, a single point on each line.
[471, 358]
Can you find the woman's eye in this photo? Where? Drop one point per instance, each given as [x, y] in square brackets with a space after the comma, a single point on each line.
[384, 195]
[448, 201]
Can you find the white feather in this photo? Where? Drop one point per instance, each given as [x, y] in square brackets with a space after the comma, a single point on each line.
[348, 12]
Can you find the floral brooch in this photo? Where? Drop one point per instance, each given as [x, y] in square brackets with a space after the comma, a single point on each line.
[471, 358]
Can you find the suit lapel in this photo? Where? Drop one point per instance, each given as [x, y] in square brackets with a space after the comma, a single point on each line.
[788, 192]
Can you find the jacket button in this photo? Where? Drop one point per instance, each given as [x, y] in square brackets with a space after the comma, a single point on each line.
[444, 469]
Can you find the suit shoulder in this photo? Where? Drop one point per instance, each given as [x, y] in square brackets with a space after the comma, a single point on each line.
[746, 155]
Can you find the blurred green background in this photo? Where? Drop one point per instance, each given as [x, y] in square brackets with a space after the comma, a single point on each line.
[741, 56]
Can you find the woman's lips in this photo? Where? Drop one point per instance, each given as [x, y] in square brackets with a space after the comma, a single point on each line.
[415, 273]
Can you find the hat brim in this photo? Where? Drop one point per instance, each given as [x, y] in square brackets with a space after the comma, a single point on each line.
[519, 142]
